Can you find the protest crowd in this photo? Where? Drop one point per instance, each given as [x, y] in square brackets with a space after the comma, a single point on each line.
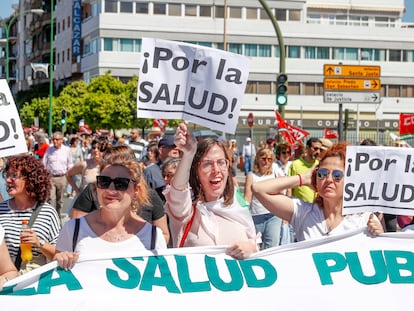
[171, 191]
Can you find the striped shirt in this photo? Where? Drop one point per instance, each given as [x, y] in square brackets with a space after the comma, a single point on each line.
[47, 226]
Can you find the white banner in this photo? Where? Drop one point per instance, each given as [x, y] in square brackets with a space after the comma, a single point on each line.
[12, 140]
[190, 82]
[340, 273]
[379, 179]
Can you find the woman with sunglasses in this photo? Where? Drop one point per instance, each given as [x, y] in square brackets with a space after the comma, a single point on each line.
[265, 222]
[115, 229]
[214, 216]
[324, 216]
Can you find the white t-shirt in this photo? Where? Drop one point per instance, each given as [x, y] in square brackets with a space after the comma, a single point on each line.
[256, 207]
[89, 244]
[309, 222]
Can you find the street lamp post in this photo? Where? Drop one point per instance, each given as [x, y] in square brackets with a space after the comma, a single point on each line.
[51, 65]
[8, 26]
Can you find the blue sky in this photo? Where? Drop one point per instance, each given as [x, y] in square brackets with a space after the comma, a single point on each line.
[6, 10]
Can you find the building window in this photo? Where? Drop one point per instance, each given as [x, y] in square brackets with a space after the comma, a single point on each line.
[265, 50]
[126, 7]
[264, 87]
[174, 9]
[141, 8]
[250, 50]
[345, 53]
[408, 56]
[310, 52]
[63, 56]
[63, 25]
[68, 21]
[160, 8]
[111, 6]
[235, 12]
[281, 15]
[138, 44]
[205, 10]
[277, 51]
[294, 15]
[235, 48]
[308, 88]
[294, 88]
[407, 91]
[393, 91]
[127, 45]
[108, 44]
[394, 55]
[190, 10]
[251, 87]
[219, 11]
[251, 13]
[263, 14]
[68, 55]
[293, 51]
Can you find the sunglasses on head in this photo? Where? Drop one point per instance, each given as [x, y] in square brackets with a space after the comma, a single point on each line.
[120, 183]
[323, 173]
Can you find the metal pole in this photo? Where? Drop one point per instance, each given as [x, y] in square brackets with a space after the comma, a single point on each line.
[51, 65]
[282, 62]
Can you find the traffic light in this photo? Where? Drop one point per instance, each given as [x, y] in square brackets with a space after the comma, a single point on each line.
[281, 96]
[63, 119]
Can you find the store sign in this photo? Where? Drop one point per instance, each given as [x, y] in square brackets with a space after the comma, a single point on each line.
[321, 123]
[76, 27]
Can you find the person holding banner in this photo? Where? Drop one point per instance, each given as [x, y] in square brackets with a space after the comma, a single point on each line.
[324, 216]
[7, 268]
[115, 229]
[214, 217]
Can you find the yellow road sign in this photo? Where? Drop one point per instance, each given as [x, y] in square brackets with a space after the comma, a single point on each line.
[357, 71]
[351, 84]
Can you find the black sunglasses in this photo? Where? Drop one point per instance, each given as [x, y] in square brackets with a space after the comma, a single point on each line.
[120, 183]
[323, 173]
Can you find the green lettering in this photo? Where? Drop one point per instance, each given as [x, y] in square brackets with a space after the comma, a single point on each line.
[270, 273]
[166, 280]
[188, 286]
[397, 261]
[236, 282]
[133, 275]
[355, 268]
[47, 281]
[325, 269]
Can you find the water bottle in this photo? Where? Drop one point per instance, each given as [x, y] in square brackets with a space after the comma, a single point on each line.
[26, 248]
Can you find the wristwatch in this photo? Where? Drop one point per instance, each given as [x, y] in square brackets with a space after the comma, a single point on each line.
[42, 243]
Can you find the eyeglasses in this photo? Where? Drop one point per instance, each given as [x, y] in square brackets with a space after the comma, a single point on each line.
[207, 166]
[323, 173]
[120, 183]
[266, 159]
[11, 175]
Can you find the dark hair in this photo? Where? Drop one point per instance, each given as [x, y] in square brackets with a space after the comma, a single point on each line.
[312, 140]
[283, 147]
[173, 161]
[204, 147]
[38, 179]
[368, 142]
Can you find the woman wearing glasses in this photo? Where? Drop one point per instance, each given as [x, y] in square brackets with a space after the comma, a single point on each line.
[324, 215]
[214, 217]
[266, 223]
[114, 229]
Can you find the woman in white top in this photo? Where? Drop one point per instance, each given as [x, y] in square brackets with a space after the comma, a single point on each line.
[265, 222]
[114, 229]
[324, 216]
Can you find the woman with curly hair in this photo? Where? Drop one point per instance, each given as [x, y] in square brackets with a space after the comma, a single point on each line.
[115, 228]
[324, 216]
[28, 184]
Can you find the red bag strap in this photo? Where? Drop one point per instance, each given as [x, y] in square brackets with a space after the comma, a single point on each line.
[187, 227]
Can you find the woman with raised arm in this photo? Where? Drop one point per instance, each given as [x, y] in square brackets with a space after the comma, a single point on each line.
[324, 216]
[201, 199]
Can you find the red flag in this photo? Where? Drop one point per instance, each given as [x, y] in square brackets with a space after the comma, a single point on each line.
[291, 134]
[406, 124]
[330, 134]
[161, 123]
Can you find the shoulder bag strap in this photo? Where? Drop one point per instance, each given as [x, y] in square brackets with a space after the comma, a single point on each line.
[75, 234]
[153, 236]
[187, 227]
[18, 260]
